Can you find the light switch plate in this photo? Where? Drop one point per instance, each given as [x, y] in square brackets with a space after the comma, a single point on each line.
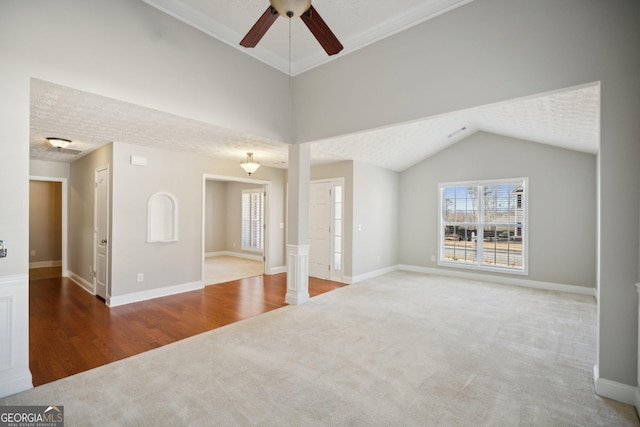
[3, 248]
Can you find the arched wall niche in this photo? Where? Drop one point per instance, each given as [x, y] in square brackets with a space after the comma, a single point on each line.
[162, 218]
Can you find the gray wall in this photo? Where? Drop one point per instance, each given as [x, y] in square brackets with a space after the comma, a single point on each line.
[494, 50]
[180, 262]
[215, 217]
[81, 210]
[483, 52]
[562, 203]
[375, 218]
[48, 169]
[371, 202]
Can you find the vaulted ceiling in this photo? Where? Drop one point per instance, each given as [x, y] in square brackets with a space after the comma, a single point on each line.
[568, 119]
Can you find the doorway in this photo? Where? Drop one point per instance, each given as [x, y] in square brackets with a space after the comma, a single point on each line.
[48, 210]
[235, 241]
[101, 233]
[326, 229]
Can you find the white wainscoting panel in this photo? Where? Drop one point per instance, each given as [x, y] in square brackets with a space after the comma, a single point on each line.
[14, 335]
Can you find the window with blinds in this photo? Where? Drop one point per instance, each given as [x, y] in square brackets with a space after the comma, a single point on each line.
[252, 219]
[483, 225]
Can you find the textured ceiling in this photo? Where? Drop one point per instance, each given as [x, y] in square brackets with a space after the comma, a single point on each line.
[355, 23]
[568, 119]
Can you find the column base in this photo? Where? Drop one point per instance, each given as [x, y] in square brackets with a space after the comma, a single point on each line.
[297, 274]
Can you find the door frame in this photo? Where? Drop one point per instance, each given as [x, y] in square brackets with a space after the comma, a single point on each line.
[95, 233]
[267, 203]
[335, 275]
[64, 215]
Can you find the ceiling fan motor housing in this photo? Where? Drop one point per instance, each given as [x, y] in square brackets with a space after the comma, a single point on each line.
[291, 8]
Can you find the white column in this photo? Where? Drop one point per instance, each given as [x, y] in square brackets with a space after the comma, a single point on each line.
[298, 218]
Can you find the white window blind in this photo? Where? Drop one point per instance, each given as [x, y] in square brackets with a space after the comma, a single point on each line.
[483, 225]
[252, 219]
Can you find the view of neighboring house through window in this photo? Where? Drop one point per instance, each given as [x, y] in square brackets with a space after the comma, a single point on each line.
[483, 225]
[252, 219]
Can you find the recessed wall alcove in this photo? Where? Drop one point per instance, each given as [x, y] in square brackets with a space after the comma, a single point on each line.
[162, 221]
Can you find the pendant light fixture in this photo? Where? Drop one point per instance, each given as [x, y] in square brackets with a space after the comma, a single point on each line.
[250, 166]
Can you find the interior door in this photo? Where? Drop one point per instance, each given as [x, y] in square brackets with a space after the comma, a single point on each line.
[320, 230]
[101, 233]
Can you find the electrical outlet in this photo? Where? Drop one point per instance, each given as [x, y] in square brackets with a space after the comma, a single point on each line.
[433, 258]
[140, 277]
[33, 253]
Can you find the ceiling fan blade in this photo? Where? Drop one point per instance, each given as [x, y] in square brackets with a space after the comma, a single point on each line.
[321, 31]
[260, 28]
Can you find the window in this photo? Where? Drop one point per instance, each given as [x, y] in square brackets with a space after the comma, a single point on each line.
[252, 219]
[483, 225]
[337, 228]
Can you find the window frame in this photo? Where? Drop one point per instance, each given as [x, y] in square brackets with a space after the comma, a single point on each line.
[250, 192]
[478, 223]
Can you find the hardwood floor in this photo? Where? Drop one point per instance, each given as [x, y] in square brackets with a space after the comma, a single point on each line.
[72, 331]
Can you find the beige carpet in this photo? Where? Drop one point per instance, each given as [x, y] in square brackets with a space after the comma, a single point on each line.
[403, 349]
[221, 269]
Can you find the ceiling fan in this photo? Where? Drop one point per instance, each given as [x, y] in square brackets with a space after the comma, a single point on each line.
[293, 9]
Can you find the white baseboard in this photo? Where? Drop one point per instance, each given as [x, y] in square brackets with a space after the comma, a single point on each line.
[117, 300]
[278, 270]
[252, 257]
[614, 390]
[370, 275]
[84, 284]
[41, 264]
[559, 287]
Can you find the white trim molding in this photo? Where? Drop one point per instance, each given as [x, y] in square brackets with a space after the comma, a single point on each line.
[503, 280]
[278, 270]
[117, 300]
[350, 280]
[41, 264]
[84, 284]
[242, 255]
[297, 274]
[613, 390]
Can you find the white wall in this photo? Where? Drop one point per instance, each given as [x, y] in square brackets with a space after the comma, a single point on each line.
[562, 203]
[493, 50]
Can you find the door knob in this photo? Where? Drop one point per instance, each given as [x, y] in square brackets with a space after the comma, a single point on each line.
[103, 241]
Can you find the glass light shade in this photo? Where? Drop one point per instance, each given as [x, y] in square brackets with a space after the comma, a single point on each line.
[59, 142]
[250, 166]
[297, 7]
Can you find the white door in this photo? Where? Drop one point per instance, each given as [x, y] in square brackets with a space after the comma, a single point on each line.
[320, 230]
[101, 233]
